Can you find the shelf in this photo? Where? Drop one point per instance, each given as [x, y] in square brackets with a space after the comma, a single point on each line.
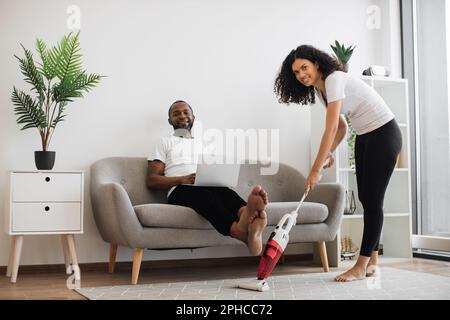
[380, 82]
[386, 215]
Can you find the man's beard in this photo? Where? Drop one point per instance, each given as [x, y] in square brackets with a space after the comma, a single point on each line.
[186, 126]
[181, 132]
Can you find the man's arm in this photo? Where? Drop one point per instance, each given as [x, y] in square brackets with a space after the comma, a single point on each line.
[157, 180]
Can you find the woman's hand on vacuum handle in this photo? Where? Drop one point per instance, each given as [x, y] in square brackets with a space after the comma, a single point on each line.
[315, 176]
[312, 180]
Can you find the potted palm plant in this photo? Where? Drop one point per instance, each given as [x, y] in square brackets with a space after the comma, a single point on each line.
[55, 81]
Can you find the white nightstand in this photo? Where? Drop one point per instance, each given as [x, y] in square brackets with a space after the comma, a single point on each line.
[44, 202]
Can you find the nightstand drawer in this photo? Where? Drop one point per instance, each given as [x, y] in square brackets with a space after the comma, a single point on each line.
[32, 217]
[42, 186]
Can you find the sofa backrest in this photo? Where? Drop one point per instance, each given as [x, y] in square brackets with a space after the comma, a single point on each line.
[286, 185]
[131, 173]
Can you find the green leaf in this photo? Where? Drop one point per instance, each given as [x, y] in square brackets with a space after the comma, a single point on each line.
[65, 58]
[334, 48]
[60, 116]
[82, 82]
[45, 67]
[28, 110]
[31, 73]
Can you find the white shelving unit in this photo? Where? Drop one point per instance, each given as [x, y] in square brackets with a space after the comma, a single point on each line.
[396, 234]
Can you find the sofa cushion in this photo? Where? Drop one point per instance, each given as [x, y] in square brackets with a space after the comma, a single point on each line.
[173, 216]
[309, 212]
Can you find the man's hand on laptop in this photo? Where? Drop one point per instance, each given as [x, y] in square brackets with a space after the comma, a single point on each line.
[190, 179]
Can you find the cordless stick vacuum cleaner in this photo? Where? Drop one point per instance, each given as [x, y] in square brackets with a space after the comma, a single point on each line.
[275, 246]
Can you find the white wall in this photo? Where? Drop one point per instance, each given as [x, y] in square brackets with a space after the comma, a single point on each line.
[220, 56]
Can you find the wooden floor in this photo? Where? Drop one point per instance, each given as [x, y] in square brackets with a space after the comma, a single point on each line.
[52, 285]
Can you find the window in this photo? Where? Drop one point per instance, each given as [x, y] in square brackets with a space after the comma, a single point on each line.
[427, 62]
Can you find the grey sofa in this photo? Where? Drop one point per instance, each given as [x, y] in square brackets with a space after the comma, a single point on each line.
[129, 214]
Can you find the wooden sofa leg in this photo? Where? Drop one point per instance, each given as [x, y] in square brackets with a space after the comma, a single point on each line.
[137, 259]
[112, 257]
[323, 256]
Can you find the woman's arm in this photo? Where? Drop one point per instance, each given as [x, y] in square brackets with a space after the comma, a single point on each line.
[340, 134]
[326, 144]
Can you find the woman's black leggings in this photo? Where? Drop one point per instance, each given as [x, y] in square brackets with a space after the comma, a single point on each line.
[375, 157]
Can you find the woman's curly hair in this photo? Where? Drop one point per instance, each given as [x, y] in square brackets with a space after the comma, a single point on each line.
[288, 89]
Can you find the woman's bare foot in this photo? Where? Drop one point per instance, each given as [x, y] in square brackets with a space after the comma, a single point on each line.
[357, 272]
[372, 268]
[255, 230]
[256, 202]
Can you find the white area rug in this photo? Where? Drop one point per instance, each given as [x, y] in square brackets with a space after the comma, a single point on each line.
[391, 284]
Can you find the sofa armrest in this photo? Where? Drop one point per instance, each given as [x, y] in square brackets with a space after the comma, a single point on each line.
[114, 215]
[332, 195]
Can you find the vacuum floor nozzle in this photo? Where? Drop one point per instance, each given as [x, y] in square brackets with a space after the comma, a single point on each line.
[255, 285]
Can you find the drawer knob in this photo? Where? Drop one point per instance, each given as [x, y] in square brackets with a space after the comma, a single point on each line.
[47, 208]
[47, 179]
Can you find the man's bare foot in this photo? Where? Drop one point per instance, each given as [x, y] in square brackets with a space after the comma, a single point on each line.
[256, 202]
[355, 273]
[255, 230]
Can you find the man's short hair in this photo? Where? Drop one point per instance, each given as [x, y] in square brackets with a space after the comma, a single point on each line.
[178, 101]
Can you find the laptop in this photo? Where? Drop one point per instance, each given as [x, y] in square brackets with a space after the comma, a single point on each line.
[217, 175]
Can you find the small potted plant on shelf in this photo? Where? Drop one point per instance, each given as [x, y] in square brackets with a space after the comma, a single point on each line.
[55, 81]
[342, 53]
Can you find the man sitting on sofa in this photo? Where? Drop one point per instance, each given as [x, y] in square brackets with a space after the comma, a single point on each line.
[172, 166]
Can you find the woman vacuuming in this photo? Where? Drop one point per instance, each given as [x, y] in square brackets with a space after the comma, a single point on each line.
[307, 72]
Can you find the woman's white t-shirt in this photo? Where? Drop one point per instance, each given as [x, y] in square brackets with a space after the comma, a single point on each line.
[364, 106]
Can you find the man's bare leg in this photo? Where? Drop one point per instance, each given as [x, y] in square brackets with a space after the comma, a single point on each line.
[256, 202]
[255, 230]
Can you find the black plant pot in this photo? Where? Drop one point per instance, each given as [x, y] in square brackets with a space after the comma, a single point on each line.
[44, 160]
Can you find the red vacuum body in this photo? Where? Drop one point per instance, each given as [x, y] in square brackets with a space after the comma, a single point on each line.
[277, 242]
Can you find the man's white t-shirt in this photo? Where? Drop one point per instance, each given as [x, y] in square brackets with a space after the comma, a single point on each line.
[180, 155]
[364, 106]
